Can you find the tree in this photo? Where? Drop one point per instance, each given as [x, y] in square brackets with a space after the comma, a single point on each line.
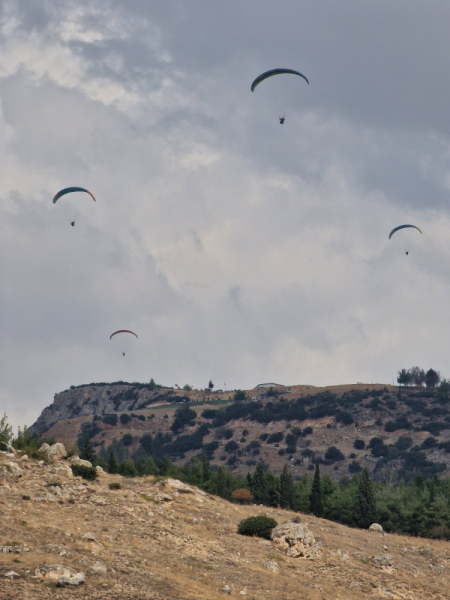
[127, 468]
[184, 416]
[404, 377]
[5, 430]
[239, 396]
[364, 507]
[165, 466]
[417, 376]
[210, 384]
[287, 489]
[259, 486]
[152, 384]
[242, 495]
[315, 498]
[146, 466]
[88, 453]
[432, 378]
[113, 465]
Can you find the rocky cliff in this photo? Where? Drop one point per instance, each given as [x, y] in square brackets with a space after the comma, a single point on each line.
[97, 399]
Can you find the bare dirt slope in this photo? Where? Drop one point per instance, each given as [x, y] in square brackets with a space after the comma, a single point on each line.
[156, 540]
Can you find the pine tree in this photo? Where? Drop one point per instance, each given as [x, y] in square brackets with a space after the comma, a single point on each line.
[364, 508]
[315, 499]
[287, 489]
[206, 468]
[165, 466]
[113, 465]
[222, 488]
[259, 486]
[88, 453]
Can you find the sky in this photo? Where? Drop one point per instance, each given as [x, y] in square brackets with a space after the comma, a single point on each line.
[239, 250]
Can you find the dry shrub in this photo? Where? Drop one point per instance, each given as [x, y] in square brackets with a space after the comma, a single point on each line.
[242, 496]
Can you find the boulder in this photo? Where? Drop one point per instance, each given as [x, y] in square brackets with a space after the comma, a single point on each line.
[15, 470]
[76, 460]
[376, 527]
[54, 452]
[60, 573]
[180, 487]
[296, 539]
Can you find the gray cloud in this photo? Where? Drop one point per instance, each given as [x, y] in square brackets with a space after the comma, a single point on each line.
[239, 250]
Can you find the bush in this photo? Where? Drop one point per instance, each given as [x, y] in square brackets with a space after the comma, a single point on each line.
[334, 454]
[115, 485]
[242, 495]
[264, 436]
[127, 439]
[124, 418]
[359, 444]
[89, 473]
[231, 446]
[275, 437]
[257, 526]
[307, 431]
[355, 467]
[110, 419]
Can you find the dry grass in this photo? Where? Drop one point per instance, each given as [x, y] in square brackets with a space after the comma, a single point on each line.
[188, 548]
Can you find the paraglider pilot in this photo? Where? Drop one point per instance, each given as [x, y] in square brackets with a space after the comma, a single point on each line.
[281, 120]
[72, 223]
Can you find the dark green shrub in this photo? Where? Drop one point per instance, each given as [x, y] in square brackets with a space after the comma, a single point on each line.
[110, 419]
[257, 526]
[359, 444]
[231, 446]
[124, 418]
[334, 454]
[115, 485]
[264, 436]
[89, 473]
[127, 468]
[281, 452]
[355, 467]
[127, 439]
[275, 437]
[307, 431]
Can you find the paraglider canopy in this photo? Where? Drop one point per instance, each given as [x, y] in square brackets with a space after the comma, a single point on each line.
[273, 72]
[402, 227]
[69, 190]
[122, 331]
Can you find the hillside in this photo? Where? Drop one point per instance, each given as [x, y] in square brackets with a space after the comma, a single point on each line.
[165, 540]
[346, 427]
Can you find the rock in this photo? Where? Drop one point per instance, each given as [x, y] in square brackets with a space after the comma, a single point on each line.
[376, 527]
[77, 579]
[179, 486]
[271, 565]
[12, 575]
[385, 562]
[5, 475]
[99, 470]
[226, 589]
[54, 452]
[60, 573]
[97, 567]
[15, 470]
[76, 460]
[296, 539]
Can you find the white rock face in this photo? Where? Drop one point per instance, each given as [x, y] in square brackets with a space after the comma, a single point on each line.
[296, 539]
[54, 452]
[376, 527]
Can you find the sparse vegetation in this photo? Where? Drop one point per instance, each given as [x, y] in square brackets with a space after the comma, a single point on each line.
[260, 526]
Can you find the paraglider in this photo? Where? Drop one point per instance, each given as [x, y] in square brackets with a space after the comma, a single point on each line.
[281, 120]
[122, 331]
[403, 227]
[69, 190]
[273, 72]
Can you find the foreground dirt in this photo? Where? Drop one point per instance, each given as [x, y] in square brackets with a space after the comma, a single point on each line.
[156, 540]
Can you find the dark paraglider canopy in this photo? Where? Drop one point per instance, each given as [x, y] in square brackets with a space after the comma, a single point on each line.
[122, 331]
[402, 227]
[273, 72]
[69, 190]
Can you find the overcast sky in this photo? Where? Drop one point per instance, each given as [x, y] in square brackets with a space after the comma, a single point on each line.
[238, 249]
